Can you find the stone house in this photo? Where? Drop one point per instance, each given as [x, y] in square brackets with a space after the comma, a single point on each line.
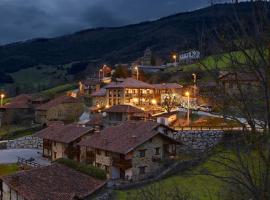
[231, 82]
[52, 182]
[19, 110]
[99, 99]
[119, 113]
[88, 87]
[59, 141]
[129, 91]
[63, 108]
[165, 89]
[131, 150]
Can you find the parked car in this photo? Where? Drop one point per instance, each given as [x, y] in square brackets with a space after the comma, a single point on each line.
[205, 108]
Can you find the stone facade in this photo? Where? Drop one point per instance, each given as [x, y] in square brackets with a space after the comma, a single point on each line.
[62, 112]
[27, 142]
[199, 141]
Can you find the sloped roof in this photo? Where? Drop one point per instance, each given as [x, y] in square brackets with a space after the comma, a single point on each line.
[54, 182]
[123, 109]
[238, 76]
[22, 101]
[57, 101]
[63, 133]
[90, 82]
[168, 86]
[124, 137]
[130, 83]
[100, 93]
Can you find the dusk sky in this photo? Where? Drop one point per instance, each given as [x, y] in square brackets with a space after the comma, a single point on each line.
[26, 19]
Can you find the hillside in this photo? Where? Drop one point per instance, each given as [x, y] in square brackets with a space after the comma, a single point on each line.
[122, 44]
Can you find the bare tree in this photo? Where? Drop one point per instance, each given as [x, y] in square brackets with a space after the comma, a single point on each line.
[169, 101]
[246, 42]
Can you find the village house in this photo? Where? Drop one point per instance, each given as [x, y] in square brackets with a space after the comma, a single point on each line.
[99, 99]
[89, 86]
[63, 108]
[231, 82]
[119, 113]
[131, 150]
[59, 141]
[165, 89]
[52, 182]
[19, 110]
[129, 91]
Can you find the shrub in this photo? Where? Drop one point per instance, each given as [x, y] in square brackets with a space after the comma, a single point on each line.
[86, 169]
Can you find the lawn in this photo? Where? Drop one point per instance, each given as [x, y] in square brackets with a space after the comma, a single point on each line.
[8, 169]
[198, 185]
[58, 90]
[220, 62]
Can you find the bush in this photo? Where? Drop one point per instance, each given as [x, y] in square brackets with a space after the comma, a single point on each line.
[86, 169]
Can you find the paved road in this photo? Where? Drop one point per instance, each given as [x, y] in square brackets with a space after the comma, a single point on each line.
[11, 156]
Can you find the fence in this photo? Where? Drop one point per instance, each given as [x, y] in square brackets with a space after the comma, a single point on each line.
[213, 128]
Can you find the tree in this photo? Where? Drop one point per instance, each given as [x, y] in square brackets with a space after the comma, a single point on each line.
[247, 45]
[121, 72]
[169, 101]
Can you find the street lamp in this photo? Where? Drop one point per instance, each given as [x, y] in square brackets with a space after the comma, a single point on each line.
[103, 74]
[194, 81]
[137, 72]
[188, 105]
[2, 98]
[174, 57]
[99, 74]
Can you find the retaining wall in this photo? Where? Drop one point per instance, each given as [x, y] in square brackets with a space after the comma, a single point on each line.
[27, 142]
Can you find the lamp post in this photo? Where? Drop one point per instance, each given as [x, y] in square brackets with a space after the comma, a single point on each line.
[194, 81]
[188, 105]
[99, 74]
[137, 72]
[174, 57]
[2, 98]
[103, 71]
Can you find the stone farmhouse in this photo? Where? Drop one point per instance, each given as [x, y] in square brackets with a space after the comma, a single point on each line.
[59, 141]
[52, 182]
[130, 91]
[88, 87]
[63, 108]
[120, 113]
[131, 150]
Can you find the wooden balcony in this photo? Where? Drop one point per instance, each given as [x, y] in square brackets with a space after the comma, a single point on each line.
[122, 163]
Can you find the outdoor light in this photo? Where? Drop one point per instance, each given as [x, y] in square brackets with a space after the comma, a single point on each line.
[154, 101]
[187, 94]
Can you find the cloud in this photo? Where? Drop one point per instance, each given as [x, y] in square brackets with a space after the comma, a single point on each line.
[26, 19]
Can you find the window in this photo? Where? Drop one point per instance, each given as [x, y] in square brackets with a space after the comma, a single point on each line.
[142, 170]
[98, 152]
[107, 153]
[98, 165]
[142, 153]
[157, 150]
[107, 169]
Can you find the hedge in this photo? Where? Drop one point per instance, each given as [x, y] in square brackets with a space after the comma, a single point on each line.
[86, 169]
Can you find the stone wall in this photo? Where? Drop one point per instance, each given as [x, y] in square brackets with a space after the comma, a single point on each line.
[199, 141]
[27, 142]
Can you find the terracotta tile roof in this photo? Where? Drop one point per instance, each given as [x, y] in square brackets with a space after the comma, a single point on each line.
[63, 133]
[54, 182]
[168, 86]
[96, 120]
[100, 93]
[124, 137]
[123, 109]
[90, 82]
[57, 101]
[129, 83]
[22, 101]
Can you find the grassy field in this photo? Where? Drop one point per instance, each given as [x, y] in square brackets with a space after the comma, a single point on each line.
[220, 62]
[58, 90]
[42, 75]
[200, 186]
[8, 169]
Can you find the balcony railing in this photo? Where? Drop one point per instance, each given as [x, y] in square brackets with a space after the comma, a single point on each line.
[122, 163]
